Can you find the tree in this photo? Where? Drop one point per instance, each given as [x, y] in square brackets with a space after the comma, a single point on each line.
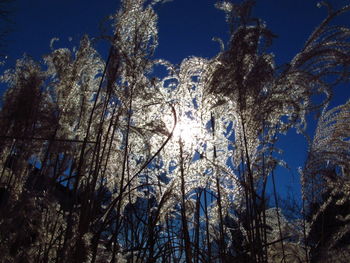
[109, 163]
[326, 184]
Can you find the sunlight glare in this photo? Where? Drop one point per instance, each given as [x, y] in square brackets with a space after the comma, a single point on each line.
[187, 130]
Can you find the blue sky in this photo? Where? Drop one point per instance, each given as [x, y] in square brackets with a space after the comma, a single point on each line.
[186, 28]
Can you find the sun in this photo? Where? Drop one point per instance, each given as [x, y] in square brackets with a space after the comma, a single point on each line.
[187, 131]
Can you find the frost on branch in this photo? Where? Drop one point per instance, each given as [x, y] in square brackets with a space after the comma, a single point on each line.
[74, 79]
[136, 36]
[326, 183]
[329, 156]
[105, 161]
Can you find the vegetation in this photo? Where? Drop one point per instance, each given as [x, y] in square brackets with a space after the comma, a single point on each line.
[103, 162]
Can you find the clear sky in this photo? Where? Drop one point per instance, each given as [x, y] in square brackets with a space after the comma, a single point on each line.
[186, 28]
